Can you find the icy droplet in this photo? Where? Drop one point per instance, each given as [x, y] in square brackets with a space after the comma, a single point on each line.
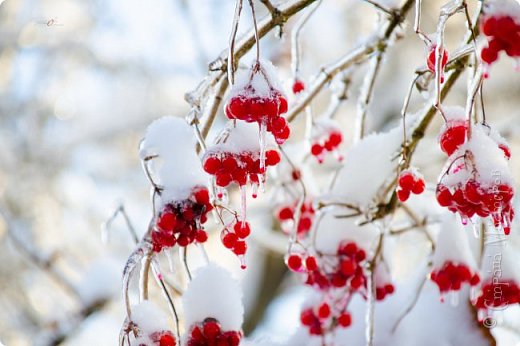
[243, 199]
[263, 130]
[454, 298]
[242, 262]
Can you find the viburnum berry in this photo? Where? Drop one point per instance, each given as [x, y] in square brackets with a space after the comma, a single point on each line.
[409, 181]
[233, 237]
[453, 135]
[488, 299]
[326, 137]
[257, 98]
[345, 320]
[294, 262]
[179, 222]
[210, 333]
[163, 338]
[298, 86]
[432, 58]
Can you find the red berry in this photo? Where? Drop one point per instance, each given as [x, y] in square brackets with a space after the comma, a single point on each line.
[167, 221]
[201, 236]
[242, 231]
[406, 180]
[167, 340]
[223, 180]
[307, 317]
[345, 320]
[183, 240]
[489, 55]
[272, 157]
[240, 247]
[211, 165]
[403, 195]
[285, 213]
[229, 240]
[316, 149]
[311, 264]
[348, 267]
[294, 262]
[418, 186]
[324, 311]
[298, 86]
[211, 329]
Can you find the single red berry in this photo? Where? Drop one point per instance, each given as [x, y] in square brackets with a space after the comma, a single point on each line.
[406, 180]
[345, 319]
[294, 262]
[403, 194]
[298, 86]
[240, 247]
[316, 149]
[285, 213]
[242, 230]
[272, 157]
[348, 267]
[229, 240]
[418, 186]
[201, 236]
[324, 311]
[211, 329]
[183, 240]
[167, 221]
[488, 55]
[307, 317]
[311, 264]
[211, 165]
[167, 340]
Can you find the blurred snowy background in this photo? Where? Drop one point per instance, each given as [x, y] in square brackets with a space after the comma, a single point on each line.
[80, 81]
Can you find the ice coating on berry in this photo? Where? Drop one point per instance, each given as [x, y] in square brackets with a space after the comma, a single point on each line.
[213, 292]
[172, 140]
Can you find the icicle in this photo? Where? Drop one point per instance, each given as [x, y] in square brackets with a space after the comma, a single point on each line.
[472, 293]
[441, 297]
[261, 182]
[454, 298]
[263, 130]
[169, 257]
[243, 198]
[242, 259]
[481, 315]
[254, 190]
[516, 64]
[464, 220]
[476, 230]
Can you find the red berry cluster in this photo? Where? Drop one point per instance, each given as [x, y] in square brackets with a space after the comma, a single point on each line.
[210, 333]
[238, 168]
[180, 222]
[503, 33]
[234, 237]
[285, 215]
[298, 86]
[432, 59]
[409, 181]
[348, 272]
[453, 135]
[471, 198]
[326, 141]
[250, 106]
[451, 276]
[164, 338]
[384, 290]
[321, 318]
[488, 298]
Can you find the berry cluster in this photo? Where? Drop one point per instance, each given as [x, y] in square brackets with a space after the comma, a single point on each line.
[318, 319]
[234, 237]
[409, 181]
[238, 168]
[325, 137]
[384, 290]
[210, 333]
[180, 222]
[164, 338]
[489, 299]
[298, 86]
[348, 272]
[473, 198]
[432, 59]
[250, 105]
[453, 135]
[301, 262]
[451, 276]
[503, 34]
[285, 215]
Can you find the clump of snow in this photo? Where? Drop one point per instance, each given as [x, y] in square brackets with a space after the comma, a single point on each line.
[454, 113]
[213, 293]
[452, 244]
[368, 165]
[332, 231]
[178, 168]
[100, 282]
[262, 81]
[149, 318]
[504, 8]
[241, 137]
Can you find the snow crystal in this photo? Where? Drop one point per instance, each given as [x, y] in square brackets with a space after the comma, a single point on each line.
[149, 317]
[178, 168]
[214, 293]
[452, 244]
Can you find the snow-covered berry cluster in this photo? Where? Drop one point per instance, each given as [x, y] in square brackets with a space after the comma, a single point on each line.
[209, 333]
[451, 276]
[489, 299]
[477, 180]
[180, 222]
[257, 98]
[149, 326]
[234, 237]
[285, 215]
[409, 181]
[432, 59]
[501, 25]
[325, 138]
